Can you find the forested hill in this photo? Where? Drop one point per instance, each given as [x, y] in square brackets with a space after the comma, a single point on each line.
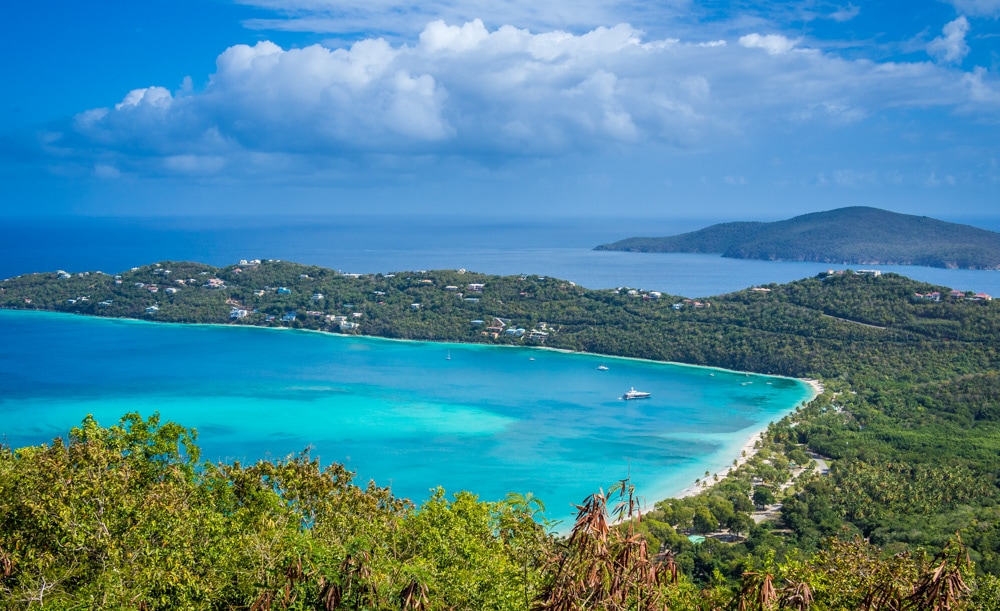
[856, 235]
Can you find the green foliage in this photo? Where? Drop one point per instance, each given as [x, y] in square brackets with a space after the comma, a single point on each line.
[762, 496]
[122, 517]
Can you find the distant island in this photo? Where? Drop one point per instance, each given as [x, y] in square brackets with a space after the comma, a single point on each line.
[856, 235]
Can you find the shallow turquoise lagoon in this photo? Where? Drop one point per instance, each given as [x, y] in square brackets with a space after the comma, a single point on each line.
[491, 420]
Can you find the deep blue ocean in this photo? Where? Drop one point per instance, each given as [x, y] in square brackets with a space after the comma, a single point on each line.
[491, 420]
[359, 244]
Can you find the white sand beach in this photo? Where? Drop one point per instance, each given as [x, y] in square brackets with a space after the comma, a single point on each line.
[746, 453]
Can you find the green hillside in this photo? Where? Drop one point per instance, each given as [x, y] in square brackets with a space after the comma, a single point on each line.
[856, 235]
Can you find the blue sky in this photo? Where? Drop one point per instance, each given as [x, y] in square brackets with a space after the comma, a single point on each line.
[597, 108]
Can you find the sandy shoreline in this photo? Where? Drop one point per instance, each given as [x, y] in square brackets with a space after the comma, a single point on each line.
[747, 452]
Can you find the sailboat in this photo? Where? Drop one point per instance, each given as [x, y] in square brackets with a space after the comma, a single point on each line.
[448, 358]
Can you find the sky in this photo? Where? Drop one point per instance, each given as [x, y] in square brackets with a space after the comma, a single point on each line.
[507, 109]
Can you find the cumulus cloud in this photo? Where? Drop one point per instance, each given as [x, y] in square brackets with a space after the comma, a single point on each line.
[979, 89]
[951, 46]
[467, 91]
[774, 44]
[150, 97]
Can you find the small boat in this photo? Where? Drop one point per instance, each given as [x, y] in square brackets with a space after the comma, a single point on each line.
[531, 358]
[635, 394]
[448, 358]
[602, 367]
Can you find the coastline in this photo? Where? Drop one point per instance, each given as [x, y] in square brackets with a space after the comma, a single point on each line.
[748, 450]
[543, 348]
[730, 450]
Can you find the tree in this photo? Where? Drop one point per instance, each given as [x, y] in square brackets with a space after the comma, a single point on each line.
[704, 521]
[762, 497]
[739, 523]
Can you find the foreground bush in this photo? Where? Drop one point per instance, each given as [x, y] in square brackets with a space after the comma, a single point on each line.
[126, 517]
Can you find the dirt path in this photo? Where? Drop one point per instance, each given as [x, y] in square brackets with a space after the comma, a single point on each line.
[854, 322]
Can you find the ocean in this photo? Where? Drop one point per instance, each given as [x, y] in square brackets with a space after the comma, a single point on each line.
[488, 419]
[367, 244]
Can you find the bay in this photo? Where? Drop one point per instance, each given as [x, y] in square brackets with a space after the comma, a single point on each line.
[491, 420]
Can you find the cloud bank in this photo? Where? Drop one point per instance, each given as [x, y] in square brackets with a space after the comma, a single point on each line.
[469, 92]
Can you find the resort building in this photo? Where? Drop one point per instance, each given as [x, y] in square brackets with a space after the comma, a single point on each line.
[538, 336]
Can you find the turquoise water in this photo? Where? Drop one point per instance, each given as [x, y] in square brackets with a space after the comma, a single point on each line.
[491, 420]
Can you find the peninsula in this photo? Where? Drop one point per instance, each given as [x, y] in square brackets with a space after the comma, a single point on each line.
[846, 236]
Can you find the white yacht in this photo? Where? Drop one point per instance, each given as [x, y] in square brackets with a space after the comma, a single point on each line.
[635, 394]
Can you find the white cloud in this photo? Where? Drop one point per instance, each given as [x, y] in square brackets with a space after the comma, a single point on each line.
[466, 91]
[149, 97]
[845, 14]
[979, 90]
[951, 46]
[979, 8]
[894, 177]
[772, 43]
[854, 178]
[836, 111]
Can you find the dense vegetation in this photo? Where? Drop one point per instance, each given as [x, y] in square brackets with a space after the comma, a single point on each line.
[855, 235]
[125, 518]
[909, 425]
